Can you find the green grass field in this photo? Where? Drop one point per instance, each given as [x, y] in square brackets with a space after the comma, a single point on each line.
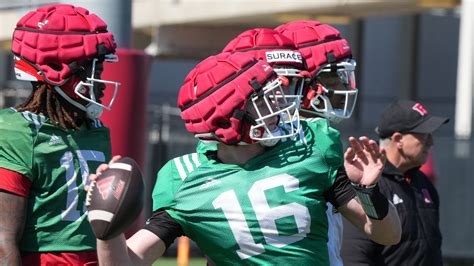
[172, 262]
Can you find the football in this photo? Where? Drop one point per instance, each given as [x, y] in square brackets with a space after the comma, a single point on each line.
[115, 199]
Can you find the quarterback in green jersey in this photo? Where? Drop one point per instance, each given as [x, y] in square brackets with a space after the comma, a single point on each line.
[331, 93]
[271, 45]
[50, 143]
[260, 197]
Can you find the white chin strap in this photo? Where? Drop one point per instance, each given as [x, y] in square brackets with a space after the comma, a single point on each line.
[92, 110]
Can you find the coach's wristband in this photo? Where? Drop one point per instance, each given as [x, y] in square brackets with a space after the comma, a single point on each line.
[374, 203]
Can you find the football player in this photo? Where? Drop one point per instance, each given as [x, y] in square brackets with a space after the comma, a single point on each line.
[330, 94]
[280, 52]
[49, 142]
[251, 202]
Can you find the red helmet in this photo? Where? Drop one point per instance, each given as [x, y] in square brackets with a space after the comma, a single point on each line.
[279, 52]
[326, 53]
[266, 44]
[54, 44]
[215, 96]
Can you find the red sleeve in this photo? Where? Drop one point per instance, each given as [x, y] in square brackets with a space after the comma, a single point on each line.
[14, 182]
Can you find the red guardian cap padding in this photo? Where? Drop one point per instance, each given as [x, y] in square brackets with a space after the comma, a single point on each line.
[216, 90]
[54, 38]
[266, 44]
[318, 43]
[279, 52]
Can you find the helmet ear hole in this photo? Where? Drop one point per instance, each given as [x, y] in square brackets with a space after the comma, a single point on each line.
[56, 67]
[223, 123]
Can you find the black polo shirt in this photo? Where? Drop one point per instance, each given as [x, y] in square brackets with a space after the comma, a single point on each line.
[417, 203]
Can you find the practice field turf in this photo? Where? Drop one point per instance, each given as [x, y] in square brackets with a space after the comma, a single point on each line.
[172, 262]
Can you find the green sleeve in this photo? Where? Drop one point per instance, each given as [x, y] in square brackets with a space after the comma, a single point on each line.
[171, 177]
[167, 184]
[16, 144]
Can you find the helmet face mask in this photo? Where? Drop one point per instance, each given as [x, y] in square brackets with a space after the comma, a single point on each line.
[294, 81]
[87, 89]
[275, 117]
[331, 96]
[336, 94]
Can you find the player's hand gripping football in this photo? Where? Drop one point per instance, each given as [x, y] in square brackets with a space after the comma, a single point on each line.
[364, 161]
[103, 167]
[115, 197]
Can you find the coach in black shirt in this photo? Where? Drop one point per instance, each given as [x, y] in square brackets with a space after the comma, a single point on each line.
[405, 130]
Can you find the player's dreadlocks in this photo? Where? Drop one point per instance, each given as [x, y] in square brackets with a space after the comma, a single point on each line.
[44, 100]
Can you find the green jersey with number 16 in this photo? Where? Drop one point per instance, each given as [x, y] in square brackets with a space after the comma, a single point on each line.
[58, 163]
[270, 210]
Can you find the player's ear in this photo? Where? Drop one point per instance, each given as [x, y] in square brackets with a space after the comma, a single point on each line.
[397, 138]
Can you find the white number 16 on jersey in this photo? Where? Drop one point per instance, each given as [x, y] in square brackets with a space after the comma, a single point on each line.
[228, 202]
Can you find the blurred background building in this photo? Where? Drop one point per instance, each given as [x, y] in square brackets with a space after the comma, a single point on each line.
[417, 49]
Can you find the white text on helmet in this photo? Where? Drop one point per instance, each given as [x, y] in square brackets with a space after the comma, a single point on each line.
[288, 56]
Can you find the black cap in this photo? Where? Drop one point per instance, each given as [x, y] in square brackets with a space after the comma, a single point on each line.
[407, 116]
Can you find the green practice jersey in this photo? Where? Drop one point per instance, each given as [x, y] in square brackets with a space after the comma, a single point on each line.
[271, 210]
[58, 163]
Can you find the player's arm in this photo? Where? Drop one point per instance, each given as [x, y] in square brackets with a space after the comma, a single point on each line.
[370, 211]
[14, 190]
[386, 231]
[12, 221]
[145, 246]
[343, 197]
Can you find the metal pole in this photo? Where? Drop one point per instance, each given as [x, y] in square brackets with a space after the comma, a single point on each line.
[464, 90]
[116, 13]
